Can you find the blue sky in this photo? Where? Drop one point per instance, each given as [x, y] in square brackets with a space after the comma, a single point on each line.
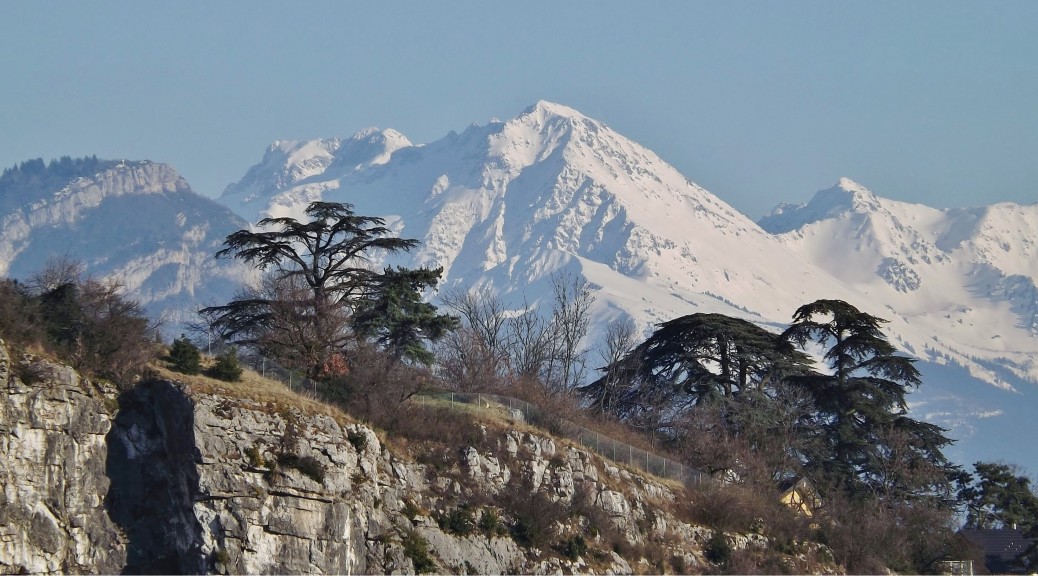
[933, 102]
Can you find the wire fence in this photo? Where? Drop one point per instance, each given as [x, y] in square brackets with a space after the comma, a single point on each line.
[619, 452]
[294, 379]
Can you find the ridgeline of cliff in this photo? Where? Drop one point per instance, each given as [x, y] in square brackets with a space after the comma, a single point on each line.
[189, 476]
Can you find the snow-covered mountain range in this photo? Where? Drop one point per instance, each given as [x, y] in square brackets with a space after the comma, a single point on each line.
[506, 204]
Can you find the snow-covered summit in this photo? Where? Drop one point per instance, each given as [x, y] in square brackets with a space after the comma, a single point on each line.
[846, 196]
[507, 203]
[291, 163]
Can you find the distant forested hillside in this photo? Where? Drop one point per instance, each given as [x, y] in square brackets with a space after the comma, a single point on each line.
[29, 179]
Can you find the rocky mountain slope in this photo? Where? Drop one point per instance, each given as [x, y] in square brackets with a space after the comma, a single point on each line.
[136, 222]
[177, 477]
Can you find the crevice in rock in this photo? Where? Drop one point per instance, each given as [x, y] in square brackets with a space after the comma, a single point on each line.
[152, 465]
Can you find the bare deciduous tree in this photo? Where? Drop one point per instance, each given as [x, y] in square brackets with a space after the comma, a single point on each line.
[571, 317]
[620, 338]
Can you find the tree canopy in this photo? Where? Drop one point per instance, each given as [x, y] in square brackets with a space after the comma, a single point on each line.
[997, 496]
[394, 315]
[320, 276]
[692, 360]
[867, 443]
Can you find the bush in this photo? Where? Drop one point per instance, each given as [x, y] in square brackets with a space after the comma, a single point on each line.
[574, 547]
[718, 550]
[534, 516]
[184, 357]
[417, 549]
[459, 521]
[227, 367]
[18, 322]
[308, 465]
[97, 330]
[490, 523]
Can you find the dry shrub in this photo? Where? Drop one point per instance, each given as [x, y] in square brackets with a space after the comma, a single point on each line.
[558, 410]
[532, 516]
[872, 536]
[731, 507]
[756, 561]
[375, 387]
[438, 425]
[19, 322]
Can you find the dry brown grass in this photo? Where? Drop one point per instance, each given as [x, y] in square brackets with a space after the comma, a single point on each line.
[255, 388]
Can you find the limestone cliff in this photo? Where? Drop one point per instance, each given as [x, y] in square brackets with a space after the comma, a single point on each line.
[172, 477]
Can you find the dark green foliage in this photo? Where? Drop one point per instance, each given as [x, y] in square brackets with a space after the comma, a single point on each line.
[308, 465]
[19, 316]
[460, 521]
[226, 367]
[92, 326]
[357, 440]
[398, 320]
[184, 357]
[718, 550]
[417, 550]
[574, 547]
[996, 496]
[318, 276]
[490, 523]
[690, 361]
[533, 517]
[866, 444]
[255, 457]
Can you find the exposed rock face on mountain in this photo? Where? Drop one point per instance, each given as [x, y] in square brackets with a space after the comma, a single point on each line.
[138, 223]
[166, 479]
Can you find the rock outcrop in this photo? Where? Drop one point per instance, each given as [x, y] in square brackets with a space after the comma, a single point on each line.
[53, 429]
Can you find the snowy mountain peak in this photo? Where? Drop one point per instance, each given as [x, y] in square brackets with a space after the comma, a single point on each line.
[846, 196]
[369, 147]
[290, 164]
[544, 109]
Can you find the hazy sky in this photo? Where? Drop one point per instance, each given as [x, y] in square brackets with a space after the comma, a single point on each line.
[759, 102]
